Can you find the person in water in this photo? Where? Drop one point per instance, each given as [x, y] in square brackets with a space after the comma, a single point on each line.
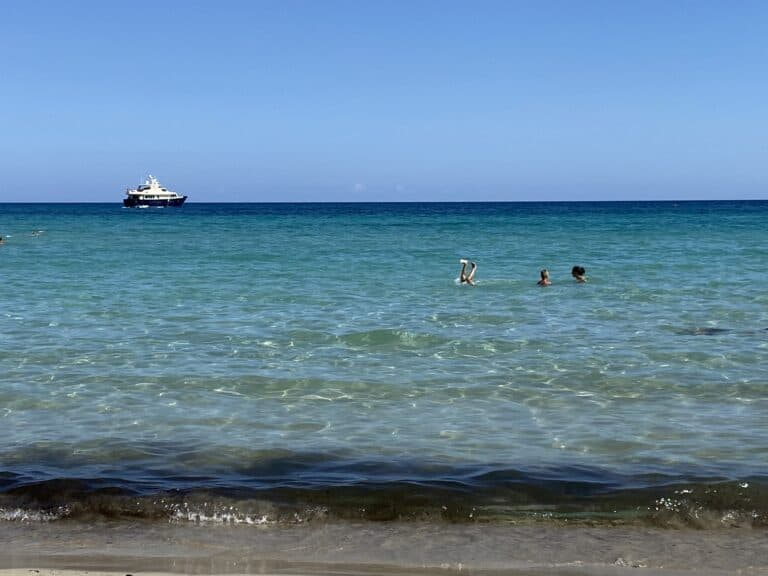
[465, 278]
[579, 273]
[545, 281]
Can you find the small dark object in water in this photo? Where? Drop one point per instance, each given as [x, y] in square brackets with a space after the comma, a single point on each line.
[701, 331]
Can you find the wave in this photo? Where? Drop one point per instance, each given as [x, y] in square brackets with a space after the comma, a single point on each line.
[295, 488]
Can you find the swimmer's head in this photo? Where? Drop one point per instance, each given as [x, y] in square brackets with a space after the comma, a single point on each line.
[544, 274]
[578, 271]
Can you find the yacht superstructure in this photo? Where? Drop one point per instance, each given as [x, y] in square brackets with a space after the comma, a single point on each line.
[151, 193]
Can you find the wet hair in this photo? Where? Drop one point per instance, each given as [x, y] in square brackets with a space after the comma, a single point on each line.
[544, 273]
[578, 271]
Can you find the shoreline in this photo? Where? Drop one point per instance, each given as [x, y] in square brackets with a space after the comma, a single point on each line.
[126, 547]
[306, 493]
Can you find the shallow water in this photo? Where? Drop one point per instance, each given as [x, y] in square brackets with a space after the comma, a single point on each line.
[250, 348]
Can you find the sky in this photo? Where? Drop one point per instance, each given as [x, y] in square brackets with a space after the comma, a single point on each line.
[384, 100]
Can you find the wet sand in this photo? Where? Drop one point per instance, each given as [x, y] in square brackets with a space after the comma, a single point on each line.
[64, 548]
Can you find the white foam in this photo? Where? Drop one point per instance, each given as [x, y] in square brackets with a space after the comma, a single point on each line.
[21, 515]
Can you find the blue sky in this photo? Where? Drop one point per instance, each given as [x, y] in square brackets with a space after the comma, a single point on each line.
[323, 100]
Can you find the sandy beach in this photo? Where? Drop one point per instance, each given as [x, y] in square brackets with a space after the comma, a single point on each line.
[372, 548]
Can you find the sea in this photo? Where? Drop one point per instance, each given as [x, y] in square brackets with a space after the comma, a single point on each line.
[280, 363]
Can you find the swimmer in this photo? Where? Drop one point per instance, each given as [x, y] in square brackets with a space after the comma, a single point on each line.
[579, 273]
[545, 281]
[465, 278]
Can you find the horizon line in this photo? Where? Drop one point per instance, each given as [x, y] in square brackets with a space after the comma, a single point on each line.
[408, 201]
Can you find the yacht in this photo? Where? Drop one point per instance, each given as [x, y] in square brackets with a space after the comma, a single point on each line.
[151, 194]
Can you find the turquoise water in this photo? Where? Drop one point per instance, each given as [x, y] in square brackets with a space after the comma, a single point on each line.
[263, 348]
